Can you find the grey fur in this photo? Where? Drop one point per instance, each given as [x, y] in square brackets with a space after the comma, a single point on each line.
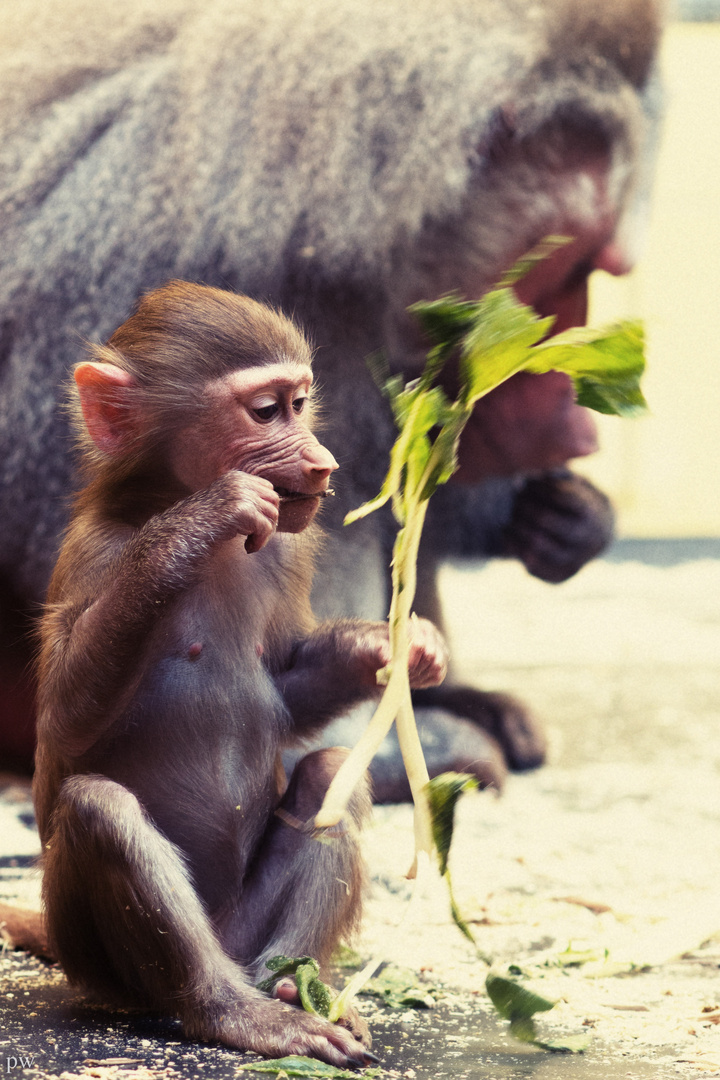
[333, 156]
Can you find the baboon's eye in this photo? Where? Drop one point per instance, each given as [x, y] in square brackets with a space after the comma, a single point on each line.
[267, 412]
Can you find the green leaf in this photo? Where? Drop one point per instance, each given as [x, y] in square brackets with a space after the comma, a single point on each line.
[443, 793]
[398, 988]
[280, 967]
[524, 1029]
[606, 365]
[286, 965]
[458, 918]
[416, 413]
[315, 996]
[513, 1001]
[499, 342]
[295, 1065]
[574, 957]
[519, 1006]
[444, 455]
[446, 322]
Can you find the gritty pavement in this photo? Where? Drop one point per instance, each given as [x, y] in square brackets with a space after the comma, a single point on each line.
[594, 881]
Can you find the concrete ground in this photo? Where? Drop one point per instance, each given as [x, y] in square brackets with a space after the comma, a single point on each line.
[597, 878]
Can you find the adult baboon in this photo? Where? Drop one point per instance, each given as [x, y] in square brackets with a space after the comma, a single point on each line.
[340, 159]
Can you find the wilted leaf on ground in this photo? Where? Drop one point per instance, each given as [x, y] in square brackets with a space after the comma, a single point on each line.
[513, 1001]
[398, 988]
[519, 1006]
[294, 1065]
[574, 956]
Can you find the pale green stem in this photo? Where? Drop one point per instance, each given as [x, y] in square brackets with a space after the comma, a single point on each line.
[356, 763]
[351, 989]
[397, 690]
[395, 701]
[417, 773]
[410, 746]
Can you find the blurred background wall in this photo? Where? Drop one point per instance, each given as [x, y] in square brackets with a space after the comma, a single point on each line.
[663, 470]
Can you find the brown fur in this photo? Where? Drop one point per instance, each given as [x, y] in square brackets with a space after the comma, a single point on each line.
[179, 657]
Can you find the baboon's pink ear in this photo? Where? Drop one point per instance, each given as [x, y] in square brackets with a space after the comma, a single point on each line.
[105, 406]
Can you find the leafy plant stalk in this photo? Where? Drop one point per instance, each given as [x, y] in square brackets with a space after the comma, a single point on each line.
[395, 704]
[493, 339]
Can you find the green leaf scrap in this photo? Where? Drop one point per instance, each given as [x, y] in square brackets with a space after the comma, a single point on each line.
[295, 1065]
[443, 793]
[518, 1005]
[499, 343]
[315, 995]
[605, 365]
[398, 988]
[446, 322]
[513, 1001]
